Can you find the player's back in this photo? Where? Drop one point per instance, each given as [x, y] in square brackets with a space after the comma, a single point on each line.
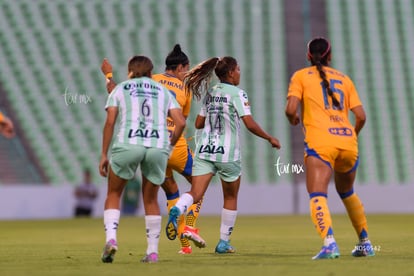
[324, 123]
[143, 107]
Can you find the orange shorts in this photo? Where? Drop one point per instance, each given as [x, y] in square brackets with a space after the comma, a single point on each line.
[181, 161]
[340, 160]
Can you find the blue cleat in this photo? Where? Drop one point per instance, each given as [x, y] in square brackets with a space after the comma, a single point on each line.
[328, 252]
[109, 251]
[224, 247]
[363, 249]
[172, 229]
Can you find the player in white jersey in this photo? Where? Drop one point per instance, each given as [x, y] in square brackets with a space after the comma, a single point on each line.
[143, 106]
[218, 148]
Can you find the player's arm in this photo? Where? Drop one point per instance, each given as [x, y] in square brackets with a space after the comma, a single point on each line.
[199, 122]
[255, 128]
[360, 118]
[108, 131]
[179, 121]
[291, 110]
[106, 69]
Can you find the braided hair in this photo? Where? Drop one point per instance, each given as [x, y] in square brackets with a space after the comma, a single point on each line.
[318, 53]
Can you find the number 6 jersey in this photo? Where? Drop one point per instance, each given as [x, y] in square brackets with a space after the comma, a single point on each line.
[143, 106]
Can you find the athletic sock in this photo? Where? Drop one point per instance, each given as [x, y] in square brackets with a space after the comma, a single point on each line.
[111, 222]
[228, 220]
[320, 214]
[356, 213]
[153, 230]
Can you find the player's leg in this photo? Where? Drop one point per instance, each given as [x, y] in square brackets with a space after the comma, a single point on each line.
[344, 183]
[153, 170]
[123, 164]
[230, 175]
[112, 215]
[203, 171]
[318, 175]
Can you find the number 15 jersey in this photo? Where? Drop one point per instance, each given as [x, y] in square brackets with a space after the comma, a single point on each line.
[324, 124]
[223, 106]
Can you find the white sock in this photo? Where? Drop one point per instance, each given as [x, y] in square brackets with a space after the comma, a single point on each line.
[111, 221]
[328, 240]
[184, 202]
[228, 219]
[153, 230]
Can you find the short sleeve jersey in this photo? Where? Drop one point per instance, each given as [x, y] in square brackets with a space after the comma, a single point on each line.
[143, 106]
[223, 107]
[324, 124]
[176, 88]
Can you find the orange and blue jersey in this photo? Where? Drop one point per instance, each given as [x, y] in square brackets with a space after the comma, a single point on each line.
[324, 124]
[181, 158]
[176, 88]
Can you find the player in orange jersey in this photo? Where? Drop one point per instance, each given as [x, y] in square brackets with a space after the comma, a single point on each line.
[331, 146]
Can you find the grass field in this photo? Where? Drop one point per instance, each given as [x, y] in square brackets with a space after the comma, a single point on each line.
[266, 245]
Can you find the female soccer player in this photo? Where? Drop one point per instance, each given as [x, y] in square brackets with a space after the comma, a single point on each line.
[181, 159]
[143, 140]
[218, 148]
[331, 145]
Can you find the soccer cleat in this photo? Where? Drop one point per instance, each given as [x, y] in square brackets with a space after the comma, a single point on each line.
[172, 229]
[150, 258]
[224, 247]
[185, 250]
[363, 249]
[109, 251]
[328, 252]
[191, 233]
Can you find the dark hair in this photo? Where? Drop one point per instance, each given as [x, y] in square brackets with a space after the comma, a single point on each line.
[175, 58]
[140, 66]
[198, 79]
[318, 53]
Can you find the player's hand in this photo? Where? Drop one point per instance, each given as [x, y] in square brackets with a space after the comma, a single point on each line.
[103, 166]
[295, 120]
[274, 142]
[106, 67]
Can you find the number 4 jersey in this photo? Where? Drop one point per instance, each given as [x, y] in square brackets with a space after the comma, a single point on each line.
[324, 124]
[222, 107]
[143, 106]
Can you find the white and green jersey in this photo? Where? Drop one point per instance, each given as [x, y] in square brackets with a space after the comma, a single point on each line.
[143, 106]
[223, 106]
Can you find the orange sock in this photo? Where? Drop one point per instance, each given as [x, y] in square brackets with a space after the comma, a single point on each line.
[171, 201]
[320, 214]
[193, 212]
[356, 213]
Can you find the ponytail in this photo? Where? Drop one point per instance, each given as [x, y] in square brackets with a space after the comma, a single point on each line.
[198, 79]
[325, 82]
[318, 53]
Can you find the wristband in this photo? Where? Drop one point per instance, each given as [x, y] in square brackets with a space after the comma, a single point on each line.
[108, 76]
